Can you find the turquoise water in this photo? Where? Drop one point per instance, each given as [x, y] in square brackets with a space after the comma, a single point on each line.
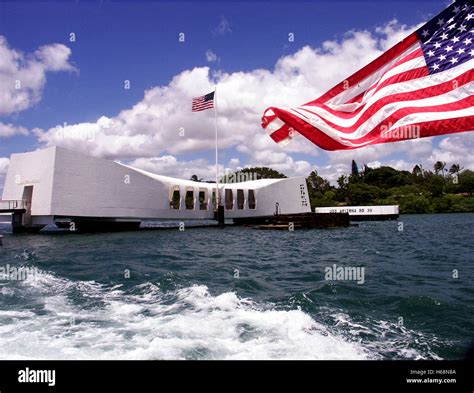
[166, 294]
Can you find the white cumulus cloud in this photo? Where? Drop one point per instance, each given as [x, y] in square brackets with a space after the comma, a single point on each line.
[170, 166]
[211, 56]
[4, 161]
[23, 75]
[160, 127]
[455, 149]
[8, 129]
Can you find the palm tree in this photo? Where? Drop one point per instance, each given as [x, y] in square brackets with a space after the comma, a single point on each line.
[417, 170]
[439, 166]
[455, 169]
[355, 169]
[366, 170]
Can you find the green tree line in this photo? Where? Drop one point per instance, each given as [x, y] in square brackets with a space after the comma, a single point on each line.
[418, 191]
[440, 190]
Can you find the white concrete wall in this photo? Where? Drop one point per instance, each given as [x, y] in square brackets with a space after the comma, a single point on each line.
[67, 183]
[291, 195]
[31, 169]
[92, 187]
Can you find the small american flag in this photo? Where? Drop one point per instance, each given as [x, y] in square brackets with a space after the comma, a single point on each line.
[204, 102]
[421, 87]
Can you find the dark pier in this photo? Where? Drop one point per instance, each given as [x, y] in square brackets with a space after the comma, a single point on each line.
[21, 215]
[297, 221]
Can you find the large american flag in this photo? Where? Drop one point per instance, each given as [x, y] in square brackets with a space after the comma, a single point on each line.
[204, 102]
[421, 87]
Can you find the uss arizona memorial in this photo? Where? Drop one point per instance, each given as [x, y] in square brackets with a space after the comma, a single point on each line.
[59, 186]
[71, 190]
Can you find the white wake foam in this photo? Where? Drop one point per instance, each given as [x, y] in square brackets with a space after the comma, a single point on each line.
[190, 323]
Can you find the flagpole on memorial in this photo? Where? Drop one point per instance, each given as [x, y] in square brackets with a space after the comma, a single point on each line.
[217, 151]
[202, 103]
[220, 207]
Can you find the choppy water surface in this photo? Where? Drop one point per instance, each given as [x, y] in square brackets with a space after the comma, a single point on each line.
[182, 298]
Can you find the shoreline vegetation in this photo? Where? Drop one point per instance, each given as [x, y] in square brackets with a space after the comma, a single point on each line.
[420, 191]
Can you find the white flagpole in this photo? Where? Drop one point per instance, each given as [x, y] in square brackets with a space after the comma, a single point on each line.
[217, 157]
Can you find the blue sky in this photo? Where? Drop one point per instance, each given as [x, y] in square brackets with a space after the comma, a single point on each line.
[139, 42]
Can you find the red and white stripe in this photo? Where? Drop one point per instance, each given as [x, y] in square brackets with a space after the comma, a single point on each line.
[394, 92]
[200, 104]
